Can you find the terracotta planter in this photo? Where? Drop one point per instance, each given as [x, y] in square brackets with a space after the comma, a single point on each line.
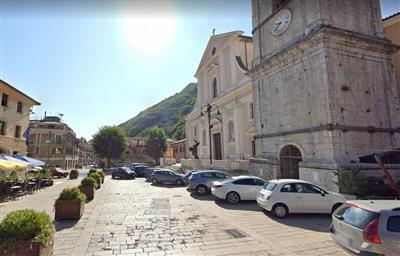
[88, 191]
[69, 209]
[32, 249]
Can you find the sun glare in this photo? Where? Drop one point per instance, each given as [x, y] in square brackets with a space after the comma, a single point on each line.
[150, 34]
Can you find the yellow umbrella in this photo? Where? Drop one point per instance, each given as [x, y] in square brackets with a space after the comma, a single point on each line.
[8, 165]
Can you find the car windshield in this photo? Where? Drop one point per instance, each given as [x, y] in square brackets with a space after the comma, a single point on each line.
[270, 186]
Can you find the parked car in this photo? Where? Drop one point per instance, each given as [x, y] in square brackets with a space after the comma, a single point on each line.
[59, 173]
[132, 165]
[122, 173]
[238, 188]
[167, 176]
[149, 173]
[368, 227]
[285, 196]
[187, 175]
[141, 170]
[201, 181]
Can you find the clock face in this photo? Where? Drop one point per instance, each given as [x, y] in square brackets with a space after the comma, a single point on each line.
[281, 22]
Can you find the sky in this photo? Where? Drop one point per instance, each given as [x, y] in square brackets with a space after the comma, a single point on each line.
[101, 62]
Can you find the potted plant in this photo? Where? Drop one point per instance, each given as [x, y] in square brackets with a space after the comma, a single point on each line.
[97, 177]
[91, 171]
[73, 174]
[26, 232]
[70, 204]
[87, 187]
[101, 175]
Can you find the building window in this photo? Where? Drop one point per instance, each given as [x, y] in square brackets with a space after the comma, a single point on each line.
[251, 108]
[37, 150]
[214, 88]
[19, 107]
[58, 139]
[4, 100]
[2, 128]
[204, 137]
[17, 131]
[214, 50]
[231, 132]
[195, 131]
[253, 148]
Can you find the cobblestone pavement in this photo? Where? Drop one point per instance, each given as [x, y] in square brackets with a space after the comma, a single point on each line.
[136, 218]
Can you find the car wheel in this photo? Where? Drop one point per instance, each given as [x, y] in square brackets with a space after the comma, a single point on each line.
[233, 197]
[334, 207]
[280, 210]
[154, 181]
[201, 190]
[113, 177]
[179, 183]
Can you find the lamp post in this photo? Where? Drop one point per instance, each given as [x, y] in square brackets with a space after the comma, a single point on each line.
[209, 109]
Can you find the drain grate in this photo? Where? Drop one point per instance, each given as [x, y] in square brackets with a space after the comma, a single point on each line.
[176, 196]
[235, 233]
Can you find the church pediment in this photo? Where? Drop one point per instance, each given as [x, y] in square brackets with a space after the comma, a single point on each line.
[214, 44]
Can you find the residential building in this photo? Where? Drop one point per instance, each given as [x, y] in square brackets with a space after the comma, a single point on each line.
[179, 150]
[15, 109]
[53, 142]
[391, 27]
[86, 153]
[324, 88]
[136, 151]
[224, 84]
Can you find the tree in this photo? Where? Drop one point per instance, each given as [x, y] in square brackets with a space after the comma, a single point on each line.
[156, 143]
[109, 142]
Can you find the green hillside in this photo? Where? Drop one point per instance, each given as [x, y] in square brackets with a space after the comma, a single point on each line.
[169, 114]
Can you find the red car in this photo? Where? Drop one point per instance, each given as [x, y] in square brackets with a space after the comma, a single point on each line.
[59, 173]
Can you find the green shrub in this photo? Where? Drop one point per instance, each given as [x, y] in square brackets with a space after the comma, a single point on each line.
[101, 175]
[97, 177]
[12, 177]
[89, 181]
[92, 171]
[352, 182]
[73, 174]
[72, 194]
[25, 225]
[44, 174]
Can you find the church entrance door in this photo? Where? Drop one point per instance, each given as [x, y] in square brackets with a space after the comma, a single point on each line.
[217, 146]
[290, 157]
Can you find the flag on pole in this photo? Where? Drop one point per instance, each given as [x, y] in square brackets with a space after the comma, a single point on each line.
[26, 135]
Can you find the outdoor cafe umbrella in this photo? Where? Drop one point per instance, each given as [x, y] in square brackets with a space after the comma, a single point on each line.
[9, 165]
[30, 160]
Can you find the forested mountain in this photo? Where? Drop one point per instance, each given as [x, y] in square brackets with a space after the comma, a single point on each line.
[169, 114]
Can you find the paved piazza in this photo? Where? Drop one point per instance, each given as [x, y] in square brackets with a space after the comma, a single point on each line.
[132, 217]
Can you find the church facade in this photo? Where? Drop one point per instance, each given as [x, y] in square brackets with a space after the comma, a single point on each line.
[324, 88]
[224, 86]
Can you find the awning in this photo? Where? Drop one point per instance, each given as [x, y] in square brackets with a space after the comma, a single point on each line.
[30, 160]
[7, 165]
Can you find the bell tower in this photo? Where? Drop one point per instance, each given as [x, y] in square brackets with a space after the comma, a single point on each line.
[323, 85]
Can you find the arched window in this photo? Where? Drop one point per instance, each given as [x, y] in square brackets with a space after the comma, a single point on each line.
[213, 51]
[214, 88]
[231, 131]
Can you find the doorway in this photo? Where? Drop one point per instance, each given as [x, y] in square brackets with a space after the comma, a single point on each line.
[290, 157]
[217, 146]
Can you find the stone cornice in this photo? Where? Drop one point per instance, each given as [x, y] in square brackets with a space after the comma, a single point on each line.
[326, 34]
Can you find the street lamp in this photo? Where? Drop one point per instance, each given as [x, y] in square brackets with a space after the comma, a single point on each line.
[209, 109]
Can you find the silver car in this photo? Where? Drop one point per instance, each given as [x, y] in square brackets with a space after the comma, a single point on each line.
[166, 176]
[368, 227]
[201, 181]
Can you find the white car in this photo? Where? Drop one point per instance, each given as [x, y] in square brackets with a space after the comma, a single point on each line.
[285, 196]
[238, 188]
